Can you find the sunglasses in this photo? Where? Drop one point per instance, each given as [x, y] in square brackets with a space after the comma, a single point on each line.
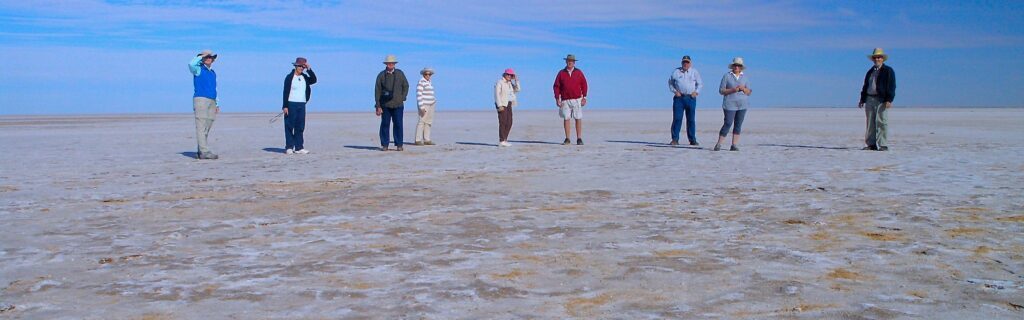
[877, 57]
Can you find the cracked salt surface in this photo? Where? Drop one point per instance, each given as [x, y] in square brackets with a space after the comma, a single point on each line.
[624, 227]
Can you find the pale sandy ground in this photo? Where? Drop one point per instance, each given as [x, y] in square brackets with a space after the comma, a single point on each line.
[103, 217]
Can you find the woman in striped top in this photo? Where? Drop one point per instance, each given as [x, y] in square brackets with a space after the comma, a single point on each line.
[425, 100]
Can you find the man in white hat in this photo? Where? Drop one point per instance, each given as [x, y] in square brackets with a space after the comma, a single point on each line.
[390, 92]
[204, 99]
[876, 98]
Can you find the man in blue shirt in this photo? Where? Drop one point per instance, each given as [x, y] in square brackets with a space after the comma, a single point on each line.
[204, 99]
[685, 84]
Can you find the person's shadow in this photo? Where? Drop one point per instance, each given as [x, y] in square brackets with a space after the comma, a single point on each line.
[477, 144]
[190, 154]
[657, 144]
[533, 142]
[803, 146]
[274, 150]
[364, 148]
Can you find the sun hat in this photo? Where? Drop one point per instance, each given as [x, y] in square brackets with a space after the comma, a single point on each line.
[427, 71]
[570, 57]
[510, 71]
[878, 52]
[390, 59]
[300, 61]
[686, 58]
[737, 61]
[206, 53]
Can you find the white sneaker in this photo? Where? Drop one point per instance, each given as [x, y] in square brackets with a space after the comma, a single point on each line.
[289, 151]
[303, 151]
[504, 144]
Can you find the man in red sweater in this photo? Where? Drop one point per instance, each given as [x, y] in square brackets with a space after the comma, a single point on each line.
[570, 97]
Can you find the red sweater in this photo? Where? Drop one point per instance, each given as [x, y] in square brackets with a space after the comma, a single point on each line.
[572, 86]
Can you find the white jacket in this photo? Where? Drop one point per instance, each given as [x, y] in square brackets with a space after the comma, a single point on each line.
[504, 91]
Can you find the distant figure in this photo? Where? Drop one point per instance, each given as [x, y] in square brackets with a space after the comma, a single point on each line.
[296, 94]
[204, 100]
[876, 95]
[426, 102]
[390, 92]
[735, 88]
[570, 97]
[504, 99]
[685, 84]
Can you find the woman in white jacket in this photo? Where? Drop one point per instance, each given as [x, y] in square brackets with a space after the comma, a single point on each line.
[504, 99]
[426, 101]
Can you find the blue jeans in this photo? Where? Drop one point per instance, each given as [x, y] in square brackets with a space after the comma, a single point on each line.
[294, 125]
[730, 117]
[386, 118]
[685, 105]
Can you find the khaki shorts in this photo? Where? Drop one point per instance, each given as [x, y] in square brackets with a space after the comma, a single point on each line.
[571, 109]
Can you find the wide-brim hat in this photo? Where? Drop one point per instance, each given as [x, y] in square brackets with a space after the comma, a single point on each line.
[737, 61]
[571, 57]
[878, 52]
[510, 71]
[427, 71]
[390, 59]
[300, 61]
[207, 53]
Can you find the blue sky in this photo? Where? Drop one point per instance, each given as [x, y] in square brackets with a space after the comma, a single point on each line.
[130, 56]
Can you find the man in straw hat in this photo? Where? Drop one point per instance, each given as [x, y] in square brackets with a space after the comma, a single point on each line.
[876, 98]
[570, 97]
[390, 92]
[204, 100]
[685, 84]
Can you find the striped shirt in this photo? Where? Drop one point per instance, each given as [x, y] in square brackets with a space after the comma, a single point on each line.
[425, 93]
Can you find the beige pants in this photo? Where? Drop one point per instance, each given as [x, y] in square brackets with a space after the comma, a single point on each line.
[426, 121]
[206, 111]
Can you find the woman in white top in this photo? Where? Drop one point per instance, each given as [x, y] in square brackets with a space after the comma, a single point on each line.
[296, 93]
[504, 99]
[425, 100]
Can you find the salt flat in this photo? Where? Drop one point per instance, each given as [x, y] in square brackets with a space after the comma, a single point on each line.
[107, 217]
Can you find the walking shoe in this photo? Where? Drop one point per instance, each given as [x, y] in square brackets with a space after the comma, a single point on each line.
[383, 148]
[579, 142]
[503, 144]
[566, 142]
[717, 147]
[208, 156]
[399, 148]
[694, 143]
[734, 148]
[883, 148]
[428, 142]
[870, 148]
[302, 151]
[289, 151]
[674, 143]
[418, 143]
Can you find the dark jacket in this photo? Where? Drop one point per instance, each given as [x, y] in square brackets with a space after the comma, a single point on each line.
[390, 91]
[886, 85]
[310, 80]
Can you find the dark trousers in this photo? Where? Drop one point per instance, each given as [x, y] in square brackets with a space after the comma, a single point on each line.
[504, 123]
[294, 125]
[386, 118]
[685, 105]
[732, 116]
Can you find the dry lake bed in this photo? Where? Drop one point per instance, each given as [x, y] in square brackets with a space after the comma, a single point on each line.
[109, 217]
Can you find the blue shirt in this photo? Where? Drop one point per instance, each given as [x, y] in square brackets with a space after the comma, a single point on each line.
[736, 100]
[685, 82]
[204, 79]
